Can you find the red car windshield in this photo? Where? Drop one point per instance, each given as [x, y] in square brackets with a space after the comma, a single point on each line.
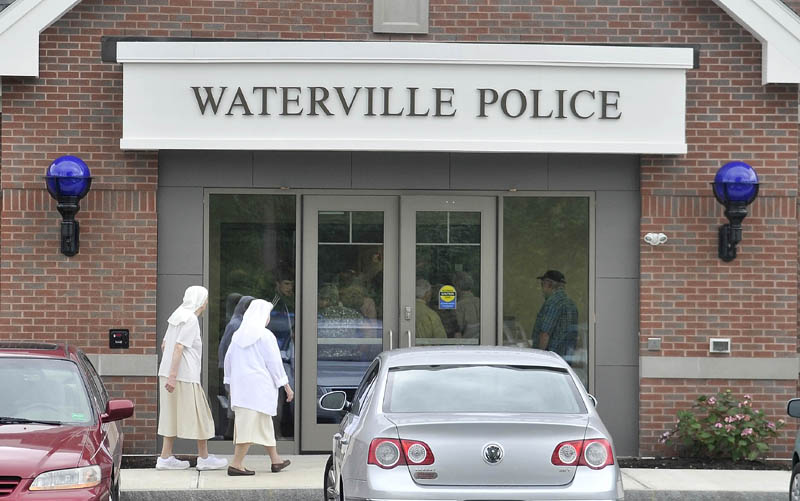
[40, 389]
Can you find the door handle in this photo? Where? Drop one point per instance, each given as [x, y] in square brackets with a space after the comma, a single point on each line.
[409, 338]
[391, 342]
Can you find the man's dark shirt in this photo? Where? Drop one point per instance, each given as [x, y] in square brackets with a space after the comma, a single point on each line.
[559, 318]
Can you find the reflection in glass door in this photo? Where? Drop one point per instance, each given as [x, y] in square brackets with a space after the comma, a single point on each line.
[351, 273]
[450, 244]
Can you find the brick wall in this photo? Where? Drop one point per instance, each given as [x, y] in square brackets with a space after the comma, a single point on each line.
[74, 107]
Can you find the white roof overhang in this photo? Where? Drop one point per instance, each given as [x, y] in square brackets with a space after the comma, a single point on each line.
[777, 27]
[774, 24]
[20, 25]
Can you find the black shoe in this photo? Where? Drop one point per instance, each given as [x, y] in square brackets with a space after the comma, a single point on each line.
[236, 472]
[278, 467]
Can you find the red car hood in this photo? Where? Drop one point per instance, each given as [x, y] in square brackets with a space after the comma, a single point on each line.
[29, 449]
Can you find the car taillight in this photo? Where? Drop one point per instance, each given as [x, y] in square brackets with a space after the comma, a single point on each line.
[389, 452]
[417, 453]
[594, 453]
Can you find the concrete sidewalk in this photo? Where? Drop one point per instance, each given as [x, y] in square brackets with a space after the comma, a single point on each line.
[302, 481]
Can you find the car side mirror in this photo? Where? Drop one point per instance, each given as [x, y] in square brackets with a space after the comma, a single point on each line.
[334, 401]
[116, 410]
[594, 400]
[793, 407]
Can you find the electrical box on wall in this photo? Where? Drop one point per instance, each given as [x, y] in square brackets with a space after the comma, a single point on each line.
[719, 345]
[118, 338]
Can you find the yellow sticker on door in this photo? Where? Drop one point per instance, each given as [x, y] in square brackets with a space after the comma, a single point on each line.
[447, 297]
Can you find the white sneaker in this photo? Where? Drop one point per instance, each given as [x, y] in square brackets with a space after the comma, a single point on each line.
[211, 463]
[171, 463]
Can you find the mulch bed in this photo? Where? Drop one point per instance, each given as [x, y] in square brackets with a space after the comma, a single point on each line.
[626, 462]
[676, 463]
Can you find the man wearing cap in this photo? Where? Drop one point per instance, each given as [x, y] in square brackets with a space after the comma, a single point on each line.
[556, 326]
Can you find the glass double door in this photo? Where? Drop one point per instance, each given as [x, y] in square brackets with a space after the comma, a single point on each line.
[389, 272]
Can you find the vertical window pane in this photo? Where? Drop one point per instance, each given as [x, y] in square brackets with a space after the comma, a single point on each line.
[252, 242]
[541, 234]
[349, 307]
[447, 287]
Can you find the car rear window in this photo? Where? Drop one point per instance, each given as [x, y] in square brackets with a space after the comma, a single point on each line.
[43, 389]
[482, 388]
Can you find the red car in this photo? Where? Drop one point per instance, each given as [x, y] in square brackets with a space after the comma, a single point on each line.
[59, 433]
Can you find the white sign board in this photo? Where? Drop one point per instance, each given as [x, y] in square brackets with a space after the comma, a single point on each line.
[404, 96]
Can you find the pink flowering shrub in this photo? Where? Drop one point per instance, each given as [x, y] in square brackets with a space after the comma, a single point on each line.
[722, 427]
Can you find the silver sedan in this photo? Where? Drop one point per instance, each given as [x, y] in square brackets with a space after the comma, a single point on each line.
[476, 423]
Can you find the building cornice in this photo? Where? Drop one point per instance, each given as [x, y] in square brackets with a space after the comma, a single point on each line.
[774, 24]
[777, 27]
[20, 26]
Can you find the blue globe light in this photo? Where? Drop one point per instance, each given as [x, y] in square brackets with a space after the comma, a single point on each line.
[68, 176]
[736, 182]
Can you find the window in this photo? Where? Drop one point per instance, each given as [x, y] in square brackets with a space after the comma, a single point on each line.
[95, 382]
[541, 235]
[252, 239]
[482, 388]
[360, 398]
[44, 389]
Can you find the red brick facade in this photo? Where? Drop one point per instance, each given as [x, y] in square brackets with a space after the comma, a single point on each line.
[687, 294]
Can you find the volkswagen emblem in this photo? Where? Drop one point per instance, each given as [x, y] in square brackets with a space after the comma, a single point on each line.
[493, 453]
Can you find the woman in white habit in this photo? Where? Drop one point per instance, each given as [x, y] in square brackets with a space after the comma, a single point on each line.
[254, 371]
[184, 411]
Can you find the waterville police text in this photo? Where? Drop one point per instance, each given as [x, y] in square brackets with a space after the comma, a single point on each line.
[435, 102]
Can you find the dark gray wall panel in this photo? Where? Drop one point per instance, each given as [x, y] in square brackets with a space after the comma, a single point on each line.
[617, 392]
[180, 231]
[301, 169]
[617, 233]
[401, 170]
[221, 169]
[617, 325]
[498, 171]
[593, 172]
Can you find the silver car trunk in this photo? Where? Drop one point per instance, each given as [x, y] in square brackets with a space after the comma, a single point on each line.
[458, 442]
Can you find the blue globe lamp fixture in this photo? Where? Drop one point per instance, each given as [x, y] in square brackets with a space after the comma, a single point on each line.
[68, 180]
[735, 186]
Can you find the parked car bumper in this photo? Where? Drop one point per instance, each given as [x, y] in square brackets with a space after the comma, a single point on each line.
[397, 485]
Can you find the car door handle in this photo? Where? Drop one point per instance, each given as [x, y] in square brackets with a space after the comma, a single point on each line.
[409, 338]
[338, 437]
[391, 335]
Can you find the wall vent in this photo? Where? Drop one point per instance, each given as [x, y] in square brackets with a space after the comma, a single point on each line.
[719, 345]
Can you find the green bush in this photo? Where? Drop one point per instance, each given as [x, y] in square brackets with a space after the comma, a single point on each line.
[722, 427]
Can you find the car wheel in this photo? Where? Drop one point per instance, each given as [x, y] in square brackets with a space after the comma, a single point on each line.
[329, 483]
[794, 484]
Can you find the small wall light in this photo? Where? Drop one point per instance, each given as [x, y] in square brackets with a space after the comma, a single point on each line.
[735, 186]
[68, 180]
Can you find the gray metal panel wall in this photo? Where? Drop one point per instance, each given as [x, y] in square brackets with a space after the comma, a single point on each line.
[614, 178]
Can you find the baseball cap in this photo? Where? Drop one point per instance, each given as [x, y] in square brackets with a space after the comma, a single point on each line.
[555, 276]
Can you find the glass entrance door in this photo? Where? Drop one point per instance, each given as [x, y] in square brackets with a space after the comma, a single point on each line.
[448, 246]
[350, 276]
[389, 272]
